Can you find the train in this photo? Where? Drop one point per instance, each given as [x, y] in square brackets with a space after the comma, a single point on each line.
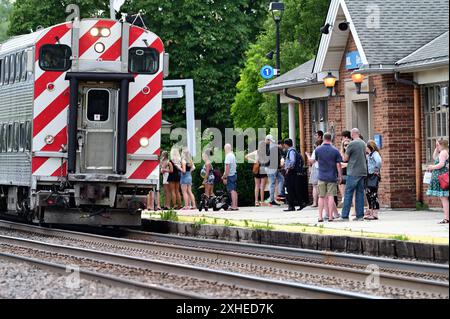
[80, 122]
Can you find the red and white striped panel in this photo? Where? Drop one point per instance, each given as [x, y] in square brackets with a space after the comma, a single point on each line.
[145, 110]
[50, 106]
[112, 43]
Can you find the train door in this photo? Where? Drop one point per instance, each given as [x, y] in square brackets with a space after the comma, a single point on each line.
[98, 126]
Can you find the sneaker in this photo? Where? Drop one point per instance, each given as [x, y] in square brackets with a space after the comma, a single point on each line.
[358, 219]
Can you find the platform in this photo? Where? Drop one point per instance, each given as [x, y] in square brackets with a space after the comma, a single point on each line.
[407, 225]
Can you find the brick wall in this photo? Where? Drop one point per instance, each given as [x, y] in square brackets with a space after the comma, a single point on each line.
[393, 118]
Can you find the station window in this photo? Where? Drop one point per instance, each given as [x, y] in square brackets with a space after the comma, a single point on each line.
[55, 57]
[319, 117]
[98, 105]
[143, 60]
[436, 118]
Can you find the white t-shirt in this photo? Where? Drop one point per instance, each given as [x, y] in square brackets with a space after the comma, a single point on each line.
[313, 157]
[230, 159]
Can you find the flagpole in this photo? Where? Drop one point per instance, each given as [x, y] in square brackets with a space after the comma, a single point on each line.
[112, 11]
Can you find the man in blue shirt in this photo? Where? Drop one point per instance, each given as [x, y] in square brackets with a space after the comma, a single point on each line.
[330, 176]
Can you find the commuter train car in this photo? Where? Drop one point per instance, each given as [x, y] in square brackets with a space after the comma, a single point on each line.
[80, 122]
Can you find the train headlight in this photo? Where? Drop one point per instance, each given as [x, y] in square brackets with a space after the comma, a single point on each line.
[145, 142]
[49, 139]
[105, 32]
[95, 32]
[99, 47]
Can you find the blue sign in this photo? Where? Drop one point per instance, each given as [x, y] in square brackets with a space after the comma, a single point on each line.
[267, 72]
[353, 60]
[379, 140]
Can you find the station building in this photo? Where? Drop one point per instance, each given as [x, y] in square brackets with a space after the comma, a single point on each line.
[386, 64]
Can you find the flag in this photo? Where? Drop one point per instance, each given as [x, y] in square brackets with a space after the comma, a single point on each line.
[117, 4]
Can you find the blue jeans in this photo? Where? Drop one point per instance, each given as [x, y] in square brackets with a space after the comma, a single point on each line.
[354, 184]
[272, 182]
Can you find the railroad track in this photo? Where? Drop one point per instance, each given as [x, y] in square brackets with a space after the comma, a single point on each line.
[102, 278]
[263, 256]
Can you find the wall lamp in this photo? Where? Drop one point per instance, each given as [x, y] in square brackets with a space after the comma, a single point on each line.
[358, 79]
[326, 28]
[330, 83]
[270, 55]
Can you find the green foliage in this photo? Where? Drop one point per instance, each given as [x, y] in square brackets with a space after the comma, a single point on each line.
[300, 37]
[422, 206]
[27, 15]
[5, 9]
[207, 41]
[169, 215]
[400, 237]
[227, 223]
[267, 226]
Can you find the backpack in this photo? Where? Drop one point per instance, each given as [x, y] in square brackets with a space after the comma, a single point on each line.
[217, 176]
[299, 162]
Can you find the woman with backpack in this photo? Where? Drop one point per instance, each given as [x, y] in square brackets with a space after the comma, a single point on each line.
[259, 172]
[207, 173]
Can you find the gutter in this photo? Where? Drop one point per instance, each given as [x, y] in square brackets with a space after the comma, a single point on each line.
[282, 86]
[429, 65]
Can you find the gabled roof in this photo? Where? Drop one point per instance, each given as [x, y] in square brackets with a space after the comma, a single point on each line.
[434, 52]
[300, 76]
[404, 26]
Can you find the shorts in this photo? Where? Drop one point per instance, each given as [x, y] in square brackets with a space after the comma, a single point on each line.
[232, 183]
[327, 189]
[186, 179]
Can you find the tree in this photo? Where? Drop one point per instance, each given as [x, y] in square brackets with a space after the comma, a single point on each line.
[5, 8]
[207, 41]
[27, 15]
[300, 37]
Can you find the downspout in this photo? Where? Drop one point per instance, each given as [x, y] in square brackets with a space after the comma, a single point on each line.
[417, 133]
[301, 113]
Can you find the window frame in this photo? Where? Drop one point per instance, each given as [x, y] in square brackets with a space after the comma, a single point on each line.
[130, 56]
[24, 65]
[4, 143]
[6, 71]
[434, 112]
[12, 69]
[18, 59]
[316, 106]
[69, 65]
[2, 69]
[109, 105]
[28, 133]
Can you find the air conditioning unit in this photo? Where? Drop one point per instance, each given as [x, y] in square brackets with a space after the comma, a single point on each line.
[444, 96]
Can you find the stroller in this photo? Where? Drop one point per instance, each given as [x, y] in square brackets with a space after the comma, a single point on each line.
[218, 202]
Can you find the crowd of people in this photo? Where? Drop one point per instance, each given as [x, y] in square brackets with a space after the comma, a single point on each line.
[353, 171]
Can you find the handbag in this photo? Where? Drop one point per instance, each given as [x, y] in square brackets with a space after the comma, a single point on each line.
[443, 181]
[372, 181]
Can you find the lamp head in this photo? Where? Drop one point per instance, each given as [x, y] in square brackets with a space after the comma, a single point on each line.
[326, 28]
[270, 55]
[357, 78]
[277, 9]
[343, 26]
[330, 80]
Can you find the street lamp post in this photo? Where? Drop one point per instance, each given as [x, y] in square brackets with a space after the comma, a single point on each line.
[277, 9]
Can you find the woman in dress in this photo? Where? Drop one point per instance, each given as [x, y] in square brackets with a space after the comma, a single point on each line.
[187, 167]
[439, 168]
[374, 163]
[174, 178]
[165, 171]
[207, 173]
[259, 172]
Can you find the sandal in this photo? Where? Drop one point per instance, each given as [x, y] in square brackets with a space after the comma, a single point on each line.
[444, 222]
[320, 221]
[257, 204]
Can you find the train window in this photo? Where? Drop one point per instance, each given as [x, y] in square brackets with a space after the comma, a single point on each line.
[23, 137]
[16, 137]
[24, 66]
[98, 105]
[12, 69]
[28, 136]
[143, 60]
[6, 72]
[55, 57]
[10, 141]
[2, 68]
[1, 138]
[18, 66]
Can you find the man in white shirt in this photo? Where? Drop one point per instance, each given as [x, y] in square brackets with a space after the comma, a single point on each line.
[230, 176]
